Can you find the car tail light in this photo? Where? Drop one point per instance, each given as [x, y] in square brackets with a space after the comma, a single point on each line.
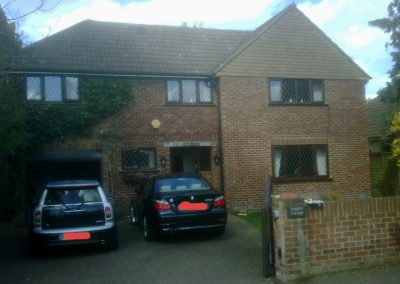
[219, 202]
[37, 218]
[107, 212]
[161, 205]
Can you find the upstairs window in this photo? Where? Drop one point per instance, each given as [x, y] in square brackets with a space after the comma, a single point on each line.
[296, 91]
[297, 162]
[52, 89]
[139, 159]
[188, 92]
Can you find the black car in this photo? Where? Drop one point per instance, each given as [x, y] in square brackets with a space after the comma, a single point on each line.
[70, 213]
[180, 202]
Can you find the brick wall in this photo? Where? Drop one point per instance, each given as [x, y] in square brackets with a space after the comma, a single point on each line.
[131, 128]
[251, 126]
[341, 235]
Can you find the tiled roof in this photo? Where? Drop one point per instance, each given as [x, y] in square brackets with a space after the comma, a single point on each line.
[119, 48]
[379, 114]
[132, 49]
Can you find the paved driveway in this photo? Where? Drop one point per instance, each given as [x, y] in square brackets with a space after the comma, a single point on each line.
[233, 258]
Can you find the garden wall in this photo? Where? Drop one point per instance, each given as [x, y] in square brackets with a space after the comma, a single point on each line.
[339, 235]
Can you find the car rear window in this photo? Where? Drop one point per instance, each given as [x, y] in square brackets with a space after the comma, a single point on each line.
[56, 196]
[181, 184]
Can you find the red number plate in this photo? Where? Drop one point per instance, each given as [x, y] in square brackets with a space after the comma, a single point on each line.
[188, 206]
[75, 236]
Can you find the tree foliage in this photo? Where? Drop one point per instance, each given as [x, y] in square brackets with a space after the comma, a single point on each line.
[24, 126]
[9, 40]
[391, 26]
[391, 93]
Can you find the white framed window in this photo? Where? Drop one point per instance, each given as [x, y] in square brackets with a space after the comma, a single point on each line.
[52, 89]
[188, 91]
[300, 162]
[139, 159]
[296, 91]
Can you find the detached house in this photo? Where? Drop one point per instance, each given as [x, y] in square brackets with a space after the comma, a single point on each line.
[282, 101]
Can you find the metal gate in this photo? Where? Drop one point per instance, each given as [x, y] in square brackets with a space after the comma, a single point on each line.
[268, 247]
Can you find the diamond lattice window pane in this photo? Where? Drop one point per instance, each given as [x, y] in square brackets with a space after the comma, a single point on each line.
[289, 91]
[300, 161]
[275, 91]
[173, 91]
[71, 88]
[139, 159]
[147, 159]
[52, 88]
[318, 95]
[303, 91]
[307, 163]
[130, 159]
[205, 91]
[33, 90]
[189, 91]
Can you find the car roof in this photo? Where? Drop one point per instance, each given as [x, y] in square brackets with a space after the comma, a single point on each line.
[72, 183]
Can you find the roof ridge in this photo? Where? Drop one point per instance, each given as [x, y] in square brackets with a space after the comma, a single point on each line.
[164, 26]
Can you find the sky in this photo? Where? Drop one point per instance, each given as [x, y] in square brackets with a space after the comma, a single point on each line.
[344, 21]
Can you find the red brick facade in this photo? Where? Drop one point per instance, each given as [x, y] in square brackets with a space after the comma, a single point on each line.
[251, 126]
[131, 129]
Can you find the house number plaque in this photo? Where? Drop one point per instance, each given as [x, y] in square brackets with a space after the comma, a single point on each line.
[295, 211]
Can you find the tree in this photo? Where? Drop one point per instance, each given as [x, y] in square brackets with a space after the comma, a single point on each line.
[21, 123]
[9, 39]
[391, 26]
[391, 93]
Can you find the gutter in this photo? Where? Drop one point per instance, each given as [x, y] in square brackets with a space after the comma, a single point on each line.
[105, 74]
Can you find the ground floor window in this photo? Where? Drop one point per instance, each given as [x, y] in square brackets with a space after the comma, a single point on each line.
[300, 162]
[139, 159]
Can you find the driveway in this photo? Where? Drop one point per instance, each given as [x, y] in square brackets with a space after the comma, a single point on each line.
[196, 258]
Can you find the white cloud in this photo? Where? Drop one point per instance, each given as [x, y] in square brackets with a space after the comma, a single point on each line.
[322, 12]
[171, 12]
[360, 37]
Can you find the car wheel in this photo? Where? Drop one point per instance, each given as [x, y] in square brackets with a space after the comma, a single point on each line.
[133, 216]
[147, 232]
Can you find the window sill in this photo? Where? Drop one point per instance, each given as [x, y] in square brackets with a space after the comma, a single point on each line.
[295, 180]
[188, 105]
[298, 104]
[133, 172]
[42, 102]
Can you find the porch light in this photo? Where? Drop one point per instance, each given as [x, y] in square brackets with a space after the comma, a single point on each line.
[217, 159]
[163, 161]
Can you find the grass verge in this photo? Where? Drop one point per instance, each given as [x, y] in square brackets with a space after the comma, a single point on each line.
[253, 217]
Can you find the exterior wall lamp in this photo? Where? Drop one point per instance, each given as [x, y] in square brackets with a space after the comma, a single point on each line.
[217, 159]
[163, 161]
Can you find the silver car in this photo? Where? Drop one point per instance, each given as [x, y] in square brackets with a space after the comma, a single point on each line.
[71, 213]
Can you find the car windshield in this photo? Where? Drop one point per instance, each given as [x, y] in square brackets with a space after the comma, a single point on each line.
[181, 184]
[57, 196]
